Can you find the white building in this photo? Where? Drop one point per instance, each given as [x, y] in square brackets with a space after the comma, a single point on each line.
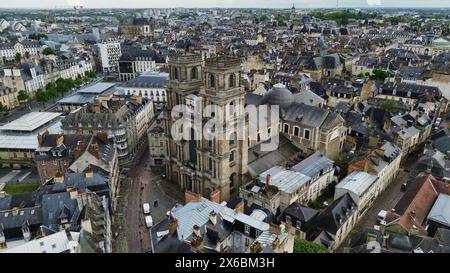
[362, 187]
[293, 186]
[321, 170]
[109, 52]
[151, 85]
[8, 51]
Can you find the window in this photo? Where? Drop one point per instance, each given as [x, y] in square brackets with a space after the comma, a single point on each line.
[194, 73]
[232, 81]
[231, 141]
[247, 229]
[286, 128]
[175, 73]
[212, 81]
[210, 164]
[296, 131]
[288, 219]
[232, 156]
[306, 134]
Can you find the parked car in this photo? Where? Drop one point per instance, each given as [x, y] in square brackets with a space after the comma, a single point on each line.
[404, 186]
[146, 207]
[381, 217]
[148, 221]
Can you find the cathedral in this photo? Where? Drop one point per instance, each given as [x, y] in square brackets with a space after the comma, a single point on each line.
[206, 165]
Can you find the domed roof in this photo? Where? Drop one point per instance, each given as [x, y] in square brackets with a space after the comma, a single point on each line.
[278, 95]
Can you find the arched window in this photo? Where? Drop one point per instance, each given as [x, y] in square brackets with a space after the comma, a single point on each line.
[194, 73]
[232, 81]
[232, 139]
[212, 81]
[175, 73]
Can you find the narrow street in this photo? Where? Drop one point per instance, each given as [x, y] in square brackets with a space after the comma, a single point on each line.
[145, 186]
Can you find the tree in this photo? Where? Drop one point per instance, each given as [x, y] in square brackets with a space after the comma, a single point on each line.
[27, 54]
[388, 106]
[41, 96]
[303, 246]
[22, 96]
[263, 18]
[48, 51]
[78, 81]
[3, 108]
[18, 57]
[378, 74]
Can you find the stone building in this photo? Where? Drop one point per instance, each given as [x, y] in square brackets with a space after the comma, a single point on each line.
[206, 165]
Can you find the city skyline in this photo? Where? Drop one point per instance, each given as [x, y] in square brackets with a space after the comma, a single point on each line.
[228, 4]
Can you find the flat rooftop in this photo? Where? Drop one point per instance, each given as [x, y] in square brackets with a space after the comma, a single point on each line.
[30, 122]
[96, 88]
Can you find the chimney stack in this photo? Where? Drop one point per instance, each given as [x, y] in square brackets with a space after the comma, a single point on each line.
[215, 196]
[213, 217]
[268, 181]
[102, 136]
[239, 207]
[59, 177]
[196, 230]
[173, 226]
[94, 150]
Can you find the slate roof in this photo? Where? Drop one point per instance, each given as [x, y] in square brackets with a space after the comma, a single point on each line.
[329, 219]
[313, 165]
[440, 212]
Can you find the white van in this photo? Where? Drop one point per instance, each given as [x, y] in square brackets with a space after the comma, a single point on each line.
[149, 221]
[381, 218]
[146, 208]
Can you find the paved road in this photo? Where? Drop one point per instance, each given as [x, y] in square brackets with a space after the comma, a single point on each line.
[145, 187]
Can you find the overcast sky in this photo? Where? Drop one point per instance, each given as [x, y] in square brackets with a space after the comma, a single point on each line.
[221, 3]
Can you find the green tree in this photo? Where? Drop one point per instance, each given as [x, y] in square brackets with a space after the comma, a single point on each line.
[78, 81]
[378, 74]
[3, 108]
[22, 96]
[42, 96]
[18, 57]
[27, 54]
[303, 246]
[48, 51]
[388, 106]
[263, 18]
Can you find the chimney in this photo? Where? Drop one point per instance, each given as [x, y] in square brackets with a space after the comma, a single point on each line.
[255, 247]
[94, 150]
[173, 226]
[59, 177]
[73, 193]
[268, 181]
[82, 145]
[76, 153]
[196, 231]
[89, 172]
[191, 196]
[59, 139]
[239, 207]
[275, 229]
[42, 137]
[102, 136]
[2, 194]
[250, 199]
[213, 217]
[26, 232]
[15, 211]
[197, 243]
[215, 196]
[96, 106]
[276, 244]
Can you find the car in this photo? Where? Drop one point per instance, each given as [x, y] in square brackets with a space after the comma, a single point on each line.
[404, 186]
[381, 217]
[146, 207]
[149, 221]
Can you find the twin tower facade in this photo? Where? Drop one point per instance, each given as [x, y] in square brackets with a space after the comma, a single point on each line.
[204, 165]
